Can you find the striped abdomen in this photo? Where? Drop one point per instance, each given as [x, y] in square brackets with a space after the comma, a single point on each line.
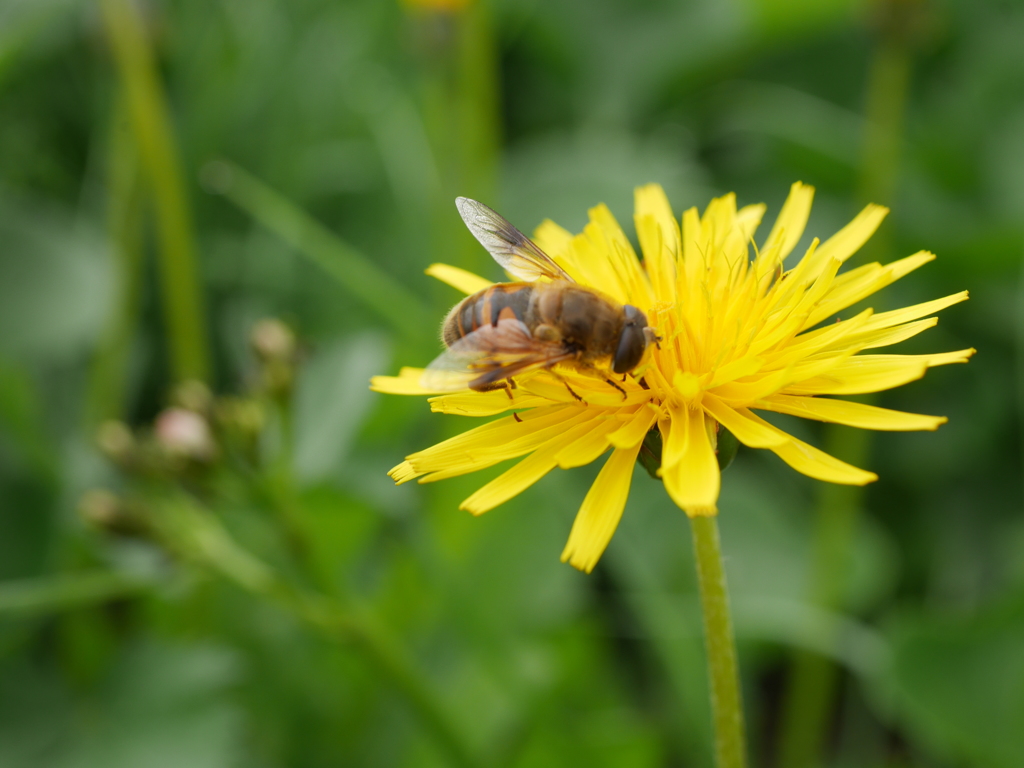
[483, 308]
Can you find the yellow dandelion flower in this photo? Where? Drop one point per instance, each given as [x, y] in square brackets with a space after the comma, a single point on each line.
[736, 333]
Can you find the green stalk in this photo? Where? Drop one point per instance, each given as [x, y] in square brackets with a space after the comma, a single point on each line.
[810, 696]
[184, 311]
[108, 376]
[723, 670]
[458, 71]
[196, 535]
[809, 699]
[888, 83]
[478, 103]
[60, 592]
[355, 272]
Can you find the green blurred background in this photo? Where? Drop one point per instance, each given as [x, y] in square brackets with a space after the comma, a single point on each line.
[250, 589]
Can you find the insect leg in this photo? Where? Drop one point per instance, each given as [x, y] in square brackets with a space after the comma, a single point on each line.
[611, 381]
[565, 383]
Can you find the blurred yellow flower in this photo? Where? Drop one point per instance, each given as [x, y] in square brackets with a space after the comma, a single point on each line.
[449, 6]
[737, 334]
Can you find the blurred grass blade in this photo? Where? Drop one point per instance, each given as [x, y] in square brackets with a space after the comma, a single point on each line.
[50, 594]
[184, 310]
[459, 81]
[108, 378]
[479, 117]
[22, 419]
[401, 308]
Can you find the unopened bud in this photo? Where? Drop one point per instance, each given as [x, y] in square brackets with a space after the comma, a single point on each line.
[116, 441]
[274, 345]
[240, 415]
[185, 434]
[273, 340]
[193, 395]
[99, 507]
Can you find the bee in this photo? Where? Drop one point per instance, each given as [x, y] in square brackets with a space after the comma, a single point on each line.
[545, 320]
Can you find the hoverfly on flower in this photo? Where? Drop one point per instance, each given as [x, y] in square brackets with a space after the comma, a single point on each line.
[548, 319]
[736, 332]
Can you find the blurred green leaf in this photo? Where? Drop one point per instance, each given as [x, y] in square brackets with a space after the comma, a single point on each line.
[332, 400]
[957, 683]
[22, 22]
[159, 706]
[353, 271]
[57, 282]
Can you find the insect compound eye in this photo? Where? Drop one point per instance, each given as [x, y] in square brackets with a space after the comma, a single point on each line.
[632, 342]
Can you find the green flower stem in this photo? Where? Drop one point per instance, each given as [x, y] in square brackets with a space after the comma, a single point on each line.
[723, 671]
[808, 702]
[460, 96]
[197, 536]
[363, 279]
[108, 377]
[183, 306]
[888, 83]
[813, 680]
[52, 594]
[389, 658]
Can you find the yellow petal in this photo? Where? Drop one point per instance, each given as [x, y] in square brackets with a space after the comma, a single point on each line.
[407, 382]
[551, 238]
[832, 336]
[885, 337]
[588, 447]
[737, 369]
[848, 240]
[874, 373]
[788, 228]
[504, 437]
[906, 314]
[659, 237]
[593, 390]
[728, 245]
[525, 473]
[748, 218]
[601, 510]
[808, 460]
[695, 248]
[488, 452]
[694, 481]
[609, 238]
[635, 430]
[851, 414]
[403, 473]
[485, 403]
[747, 428]
[862, 282]
[591, 267]
[673, 433]
[749, 391]
[793, 319]
[459, 279]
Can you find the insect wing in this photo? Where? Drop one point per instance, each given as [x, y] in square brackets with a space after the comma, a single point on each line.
[488, 355]
[513, 250]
